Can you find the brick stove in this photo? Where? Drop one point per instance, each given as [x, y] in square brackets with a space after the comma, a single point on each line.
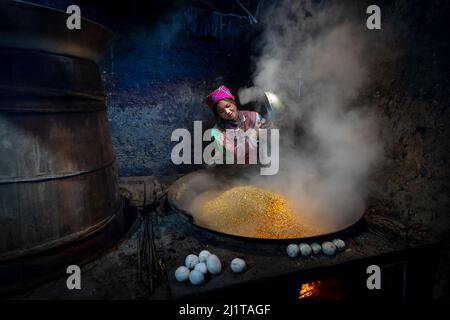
[408, 262]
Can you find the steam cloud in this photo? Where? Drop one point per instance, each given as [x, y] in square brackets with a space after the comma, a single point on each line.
[315, 59]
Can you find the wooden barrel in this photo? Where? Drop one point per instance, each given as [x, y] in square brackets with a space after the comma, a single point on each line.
[59, 195]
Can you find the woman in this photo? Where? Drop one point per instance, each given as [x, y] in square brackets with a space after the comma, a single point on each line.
[222, 103]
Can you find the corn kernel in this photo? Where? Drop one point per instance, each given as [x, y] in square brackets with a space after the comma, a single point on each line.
[253, 212]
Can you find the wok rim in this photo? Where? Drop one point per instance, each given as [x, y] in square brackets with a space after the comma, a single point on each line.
[343, 232]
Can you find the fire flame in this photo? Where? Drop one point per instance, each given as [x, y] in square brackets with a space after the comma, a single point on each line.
[328, 289]
[309, 290]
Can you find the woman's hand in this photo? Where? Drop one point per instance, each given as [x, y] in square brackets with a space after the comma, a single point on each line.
[263, 124]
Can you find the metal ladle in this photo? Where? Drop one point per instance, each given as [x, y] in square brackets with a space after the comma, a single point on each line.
[270, 105]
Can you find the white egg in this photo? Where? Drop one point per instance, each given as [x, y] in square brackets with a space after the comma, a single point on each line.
[201, 267]
[340, 244]
[204, 255]
[316, 248]
[196, 277]
[238, 265]
[328, 248]
[213, 264]
[182, 274]
[305, 249]
[293, 250]
[190, 261]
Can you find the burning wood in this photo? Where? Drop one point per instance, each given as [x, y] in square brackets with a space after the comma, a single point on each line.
[327, 289]
[309, 290]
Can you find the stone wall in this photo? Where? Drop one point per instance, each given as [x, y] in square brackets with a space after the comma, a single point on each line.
[412, 93]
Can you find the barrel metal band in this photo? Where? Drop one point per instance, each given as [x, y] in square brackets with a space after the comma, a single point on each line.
[42, 99]
[64, 241]
[47, 92]
[56, 176]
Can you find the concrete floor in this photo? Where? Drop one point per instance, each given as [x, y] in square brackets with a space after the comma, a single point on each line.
[114, 276]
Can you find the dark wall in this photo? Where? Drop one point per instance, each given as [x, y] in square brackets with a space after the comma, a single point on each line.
[412, 93]
[158, 74]
[411, 90]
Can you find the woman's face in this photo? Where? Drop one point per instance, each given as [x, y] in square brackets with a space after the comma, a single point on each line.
[226, 110]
